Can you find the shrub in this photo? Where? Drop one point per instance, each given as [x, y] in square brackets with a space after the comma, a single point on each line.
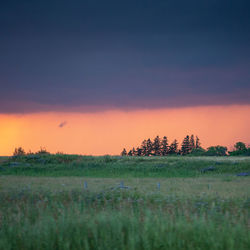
[216, 151]
[42, 151]
[198, 152]
[240, 149]
[19, 151]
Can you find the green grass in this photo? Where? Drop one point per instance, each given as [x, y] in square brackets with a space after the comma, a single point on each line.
[115, 166]
[43, 203]
[209, 186]
[117, 219]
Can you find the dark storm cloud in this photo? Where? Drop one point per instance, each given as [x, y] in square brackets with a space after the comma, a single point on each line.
[92, 55]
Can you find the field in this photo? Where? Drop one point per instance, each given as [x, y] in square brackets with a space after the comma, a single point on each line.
[84, 202]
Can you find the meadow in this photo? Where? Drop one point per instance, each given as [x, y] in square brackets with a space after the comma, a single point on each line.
[118, 166]
[112, 202]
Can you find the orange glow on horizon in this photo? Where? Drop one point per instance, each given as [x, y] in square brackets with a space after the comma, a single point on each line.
[109, 132]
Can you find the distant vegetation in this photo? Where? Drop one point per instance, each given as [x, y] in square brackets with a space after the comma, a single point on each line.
[121, 166]
[21, 152]
[190, 146]
[160, 147]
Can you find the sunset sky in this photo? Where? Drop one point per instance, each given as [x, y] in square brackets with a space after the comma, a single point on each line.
[94, 76]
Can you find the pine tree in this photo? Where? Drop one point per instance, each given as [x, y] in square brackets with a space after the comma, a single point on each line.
[185, 146]
[144, 148]
[149, 147]
[130, 153]
[164, 146]
[124, 152]
[138, 151]
[156, 146]
[133, 152]
[173, 148]
[197, 142]
[192, 142]
[161, 147]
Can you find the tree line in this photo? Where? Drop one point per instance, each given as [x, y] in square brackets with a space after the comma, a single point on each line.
[190, 146]
[161, 147]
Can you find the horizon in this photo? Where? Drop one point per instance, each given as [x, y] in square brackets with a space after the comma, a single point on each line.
[109, 132]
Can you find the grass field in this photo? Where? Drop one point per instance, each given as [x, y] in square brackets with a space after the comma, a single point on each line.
[107, 166]
[45, 205]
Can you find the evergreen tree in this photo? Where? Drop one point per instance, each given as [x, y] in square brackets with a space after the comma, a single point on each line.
[133, 152]
[138, 151]
[185, 146]
[164, 146]
[173, 148]
[144, 148]
[149, 147]
[161, 147]
[156, 150]
[124, 152]
[130, 153]
[192, 143]
[197, 142]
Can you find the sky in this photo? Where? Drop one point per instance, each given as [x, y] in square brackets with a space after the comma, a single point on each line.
[64, 62]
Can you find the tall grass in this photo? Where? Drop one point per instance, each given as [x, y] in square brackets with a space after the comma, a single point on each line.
[121, 220]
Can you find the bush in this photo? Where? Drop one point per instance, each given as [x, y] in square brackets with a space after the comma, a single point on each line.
[216, 151]
[42, 151]
[19, 151]
[240, 149]
[198, 152]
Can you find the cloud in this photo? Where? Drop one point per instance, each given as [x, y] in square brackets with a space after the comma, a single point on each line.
[154, 87]
[62, 124]
[91, 56]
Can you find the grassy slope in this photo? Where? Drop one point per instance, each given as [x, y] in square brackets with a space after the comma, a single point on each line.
[65, 165]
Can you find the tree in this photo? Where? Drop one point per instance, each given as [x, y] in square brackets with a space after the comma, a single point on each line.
[240, 146]
[240, 149]
[198, 151]
[192, 143]
[144, 148]
[124, 152]
[185, 146]
[133, 152]
[173, 148]
[138, 151]
[164, 146]
[156, 150]
[130, 153]
[216, 151]
[197, 142]
[149, 147]
[19, 151]
[222, 151]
